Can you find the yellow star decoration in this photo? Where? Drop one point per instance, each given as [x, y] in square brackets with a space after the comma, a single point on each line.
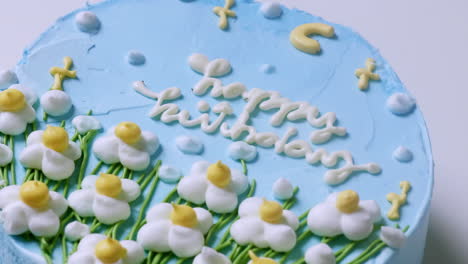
[397, 200]
[224, 13]
[366, 74]
[61, 74]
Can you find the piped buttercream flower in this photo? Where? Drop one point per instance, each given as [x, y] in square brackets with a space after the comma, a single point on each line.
[127, 144]
[176, 228]
[97, 249]
[106, 197]
[393, 237]
[320, 254]
[265, 224]
[215, 184]
[242, 151]
[51, 151]
[84, 124]
[6, 155]
[16, 109]
[31, 207]
[210, 256]
[344, 213]
[260, 260]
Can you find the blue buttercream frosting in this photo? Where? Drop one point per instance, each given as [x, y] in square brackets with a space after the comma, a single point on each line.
[168, 32]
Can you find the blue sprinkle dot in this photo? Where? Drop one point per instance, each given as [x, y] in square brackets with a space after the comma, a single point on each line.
[267, 68]
[136, 58]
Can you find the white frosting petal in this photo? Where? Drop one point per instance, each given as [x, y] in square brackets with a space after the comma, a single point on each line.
[161, 211]
[135, 253]
[283, 189]
[192, 189]
[106, 148]
[239, 182]
[133, 158]
[320, 254]
[281, 238]
[35, 137]
[169, 174]
[189, 145]
[14, 219]
[90, 241]
[6, 155]
[87, 22]
[220, 200]
[403, 154]
[249, 230]
[210, 256]
[81, 201]
[8, 195]
[242, 151]
[7, 78]
[73, 151]
[75, 231]
[204, 218]
[56, 166]
[400, 103]
[44, 224]
[84, 124]
[357, 225]
[271, 10]
[250, 207]
[130, 190]
[150, 142]
[324, 220]
[372, 208]
[56, 102]
[29, 94]
[291, 219]
[32, 156]
[154, 236]
[89, 182]
[185, 242]
[199, 168]
[393, 237]
[57, 203]
[109, 210]
[81, 257]
[13, 123]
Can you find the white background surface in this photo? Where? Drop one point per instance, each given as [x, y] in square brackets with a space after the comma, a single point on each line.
[425, 41]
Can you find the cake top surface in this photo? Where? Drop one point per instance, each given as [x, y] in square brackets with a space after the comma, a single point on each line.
[142, 51]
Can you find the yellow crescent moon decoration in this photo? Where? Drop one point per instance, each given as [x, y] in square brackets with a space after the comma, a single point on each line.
[301, 40]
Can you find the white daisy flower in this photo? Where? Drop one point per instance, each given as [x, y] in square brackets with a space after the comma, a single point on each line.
[344, 213]
[320, 254]
[210, 256]
[75, 231]
[127, 144]
[83, 124]
[265, 224]
[97, 249]
[240, 150]
[32, 207]
[52, 152]
[215, 184]
[176, 228]
[106, 197]
[16, 109]
[6, 155]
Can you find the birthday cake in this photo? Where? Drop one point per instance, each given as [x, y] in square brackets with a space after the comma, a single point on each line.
[209, 132]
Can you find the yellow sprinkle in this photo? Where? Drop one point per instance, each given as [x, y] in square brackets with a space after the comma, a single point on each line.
[271, 212]
[35, 194]
[55, 138]
[109, 251]
[301, 40]
[224, 13]
[219, 174]
[347, 201]
[366, 74]
[60, 74]
[128, 132]
[183, 215]
[398, 200]
[258, 260]
[12, 100]
[108, 185]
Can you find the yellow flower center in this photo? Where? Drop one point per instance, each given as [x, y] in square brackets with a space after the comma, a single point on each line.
[183, 215]
[347, 201]
[35, 194]
[109, 251]
[219, 174]
[108, 185]
[271, 212]
[55, 138]
[12, 100]
[128, 132]
[258, 260]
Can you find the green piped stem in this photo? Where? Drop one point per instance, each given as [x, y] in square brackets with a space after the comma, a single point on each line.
[242, 255]
[291, 201]
[45, 116]
[43, 245]
[169, 196]
[97, 168]
[342, 253]
[166, 259]
[64, 250]
[146, 202]
[12, 163]
[244, 167]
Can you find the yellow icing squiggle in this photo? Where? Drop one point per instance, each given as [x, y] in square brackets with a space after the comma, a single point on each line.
[300, 36]
[61, 73]
[366, 74]
[224, 13]
[398, 200]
